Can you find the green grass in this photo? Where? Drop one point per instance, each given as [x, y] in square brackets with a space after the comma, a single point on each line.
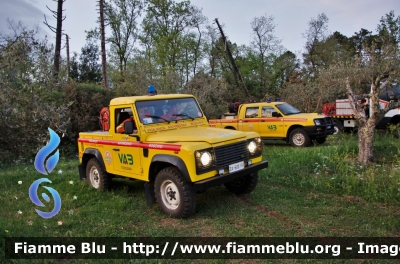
[315, 191]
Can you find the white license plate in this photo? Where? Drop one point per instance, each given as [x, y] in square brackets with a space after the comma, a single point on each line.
[236, 166]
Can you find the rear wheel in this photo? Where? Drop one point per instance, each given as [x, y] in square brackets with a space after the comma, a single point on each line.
[299, 138]
[174, 195]
[243, 185]
[96, 176]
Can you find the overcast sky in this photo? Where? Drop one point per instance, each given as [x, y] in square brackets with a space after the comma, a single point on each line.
[290, 16]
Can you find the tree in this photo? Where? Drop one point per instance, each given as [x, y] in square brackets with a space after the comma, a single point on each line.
[361, 39]
[172, 39]
[121, 16]
[193, 45]
[264, 41]
[315, 36]
[390, 27]
[87, 68]
[25, 60]
[58, 30]
[235, 69]
[29, 102]
[74, 67]
[282, 68]
[103, 44]
[378, 68]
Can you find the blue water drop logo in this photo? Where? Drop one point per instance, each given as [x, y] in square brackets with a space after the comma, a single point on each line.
[50, 165]
[45, 151]
[33, 195]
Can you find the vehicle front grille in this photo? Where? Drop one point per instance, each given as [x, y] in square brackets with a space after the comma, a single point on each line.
[326, 121]
[226, 155]
[329, 120]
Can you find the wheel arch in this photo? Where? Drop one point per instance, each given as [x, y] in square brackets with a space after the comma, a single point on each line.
[395, 120]
[161, 161]
[293, 127]
[87, 155]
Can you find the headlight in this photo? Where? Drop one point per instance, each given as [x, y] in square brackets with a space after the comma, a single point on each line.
[252, 147]
[317, 122]
[205, 158]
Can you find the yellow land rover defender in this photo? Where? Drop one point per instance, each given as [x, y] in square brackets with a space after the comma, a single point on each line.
[166, 142]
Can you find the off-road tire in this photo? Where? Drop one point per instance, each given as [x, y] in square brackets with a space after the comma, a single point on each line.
[337, 128]
[175, 196]
[299, 138]
[320, 140]
[243, 185]
[96, 176]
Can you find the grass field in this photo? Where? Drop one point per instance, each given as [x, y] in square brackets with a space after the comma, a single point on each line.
[317, 191]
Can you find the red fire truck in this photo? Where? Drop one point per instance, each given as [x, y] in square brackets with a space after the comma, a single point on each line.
[344, 117]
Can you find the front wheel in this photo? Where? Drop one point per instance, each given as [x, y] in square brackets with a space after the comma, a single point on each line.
[175, 196]
[243, 185]
[299, 138]
[337, 128]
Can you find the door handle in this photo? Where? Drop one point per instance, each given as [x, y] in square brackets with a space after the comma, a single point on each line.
[115, 149]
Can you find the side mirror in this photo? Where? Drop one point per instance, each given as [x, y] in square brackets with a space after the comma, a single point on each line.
[276, 114]
[128, 127]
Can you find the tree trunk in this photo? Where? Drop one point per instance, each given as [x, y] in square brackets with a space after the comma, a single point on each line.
[236, 71]
[58, 38]
[67, 44]
[366, 142]
[103, 45]
[366, 122]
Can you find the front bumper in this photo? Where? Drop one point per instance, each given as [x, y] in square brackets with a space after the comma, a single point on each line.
[319, 131]
[221, 179]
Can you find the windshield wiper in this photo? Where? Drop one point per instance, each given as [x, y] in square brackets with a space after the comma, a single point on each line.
[159, 117]
[184, 115]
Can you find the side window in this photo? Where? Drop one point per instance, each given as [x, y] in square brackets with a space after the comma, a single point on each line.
[121, 115]
[266, 111]
[251, 112]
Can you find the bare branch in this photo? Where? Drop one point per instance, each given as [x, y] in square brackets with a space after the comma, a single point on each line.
[53, 29]
[54, 12]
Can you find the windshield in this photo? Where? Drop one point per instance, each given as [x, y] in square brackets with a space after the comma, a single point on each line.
[288, 109]
[171, 110]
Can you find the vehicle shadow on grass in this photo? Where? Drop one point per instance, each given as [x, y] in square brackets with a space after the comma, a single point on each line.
[137, 187]
[278, 143]
[129, 185]
[123, 185]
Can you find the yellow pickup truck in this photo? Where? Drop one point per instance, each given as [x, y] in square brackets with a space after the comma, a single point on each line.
[166, 142]
[278, 120]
